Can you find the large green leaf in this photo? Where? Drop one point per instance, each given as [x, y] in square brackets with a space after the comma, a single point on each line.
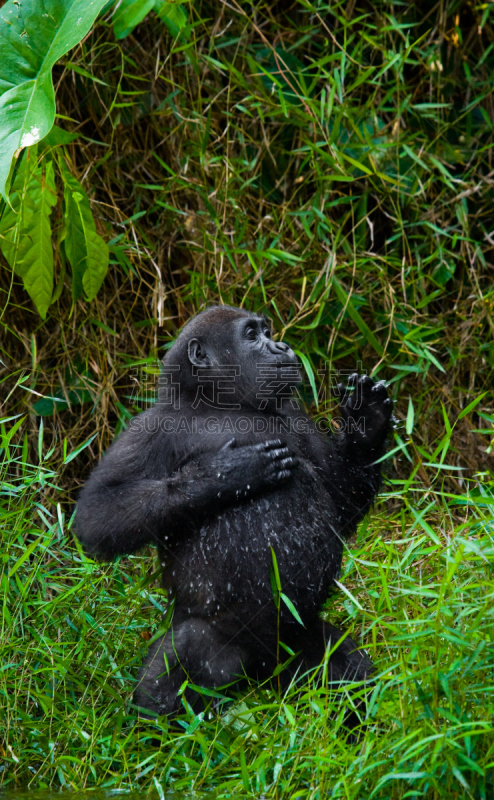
[26, 230]
[47, 405]
[129, 14]
[34, 34]
[87, 252]
[13, 218]
[174, 17]
[75, 391]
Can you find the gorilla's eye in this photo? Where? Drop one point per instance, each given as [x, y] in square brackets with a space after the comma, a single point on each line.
[251, 333]
[267, 333]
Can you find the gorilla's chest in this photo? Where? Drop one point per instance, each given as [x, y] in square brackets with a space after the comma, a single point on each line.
[231, 557]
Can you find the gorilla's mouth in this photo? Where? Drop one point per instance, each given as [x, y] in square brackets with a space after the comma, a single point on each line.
[286, 358]
[287, 361]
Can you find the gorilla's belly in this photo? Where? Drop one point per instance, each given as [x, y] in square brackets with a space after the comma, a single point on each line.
[230, 562]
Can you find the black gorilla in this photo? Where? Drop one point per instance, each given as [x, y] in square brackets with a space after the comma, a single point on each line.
[218, 486]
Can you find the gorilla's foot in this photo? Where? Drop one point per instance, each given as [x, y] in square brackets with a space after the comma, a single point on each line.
[193, 650]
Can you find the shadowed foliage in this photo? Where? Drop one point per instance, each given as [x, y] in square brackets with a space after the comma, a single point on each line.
[329, 164]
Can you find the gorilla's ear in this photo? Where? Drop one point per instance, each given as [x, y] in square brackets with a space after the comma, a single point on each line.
[198, 355]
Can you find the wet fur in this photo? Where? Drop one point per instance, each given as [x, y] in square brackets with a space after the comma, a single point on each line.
[163, 488]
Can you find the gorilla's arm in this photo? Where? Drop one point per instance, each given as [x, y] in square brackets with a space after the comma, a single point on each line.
[353, 477]
[133, 498]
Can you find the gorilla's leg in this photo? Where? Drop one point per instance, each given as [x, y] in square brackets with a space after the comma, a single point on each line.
[346, 664]
[194, 649]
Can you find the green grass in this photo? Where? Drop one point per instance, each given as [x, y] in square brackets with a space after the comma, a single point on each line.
[330, 165]
[418, 592]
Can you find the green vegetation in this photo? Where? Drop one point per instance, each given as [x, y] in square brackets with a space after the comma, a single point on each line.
[418, 588]
[330, 164]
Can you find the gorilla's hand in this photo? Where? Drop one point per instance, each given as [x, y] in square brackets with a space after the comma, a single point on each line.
[366, 412]
[240, 471]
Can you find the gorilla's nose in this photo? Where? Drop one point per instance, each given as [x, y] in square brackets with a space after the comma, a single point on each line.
[278, 347]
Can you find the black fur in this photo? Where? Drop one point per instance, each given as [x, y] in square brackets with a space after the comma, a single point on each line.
[215, 503]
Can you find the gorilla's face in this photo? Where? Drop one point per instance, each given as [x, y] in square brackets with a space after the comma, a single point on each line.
[269, 370]
[245, 343]
[253, 342]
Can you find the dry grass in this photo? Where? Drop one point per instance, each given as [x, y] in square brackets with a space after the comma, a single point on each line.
[202, 157]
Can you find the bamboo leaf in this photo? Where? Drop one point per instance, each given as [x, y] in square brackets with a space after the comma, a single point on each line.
[471, 406]
[410, 417]
[79, 449]
[27, 243]
[129, 14]
[27, 552]
[349, 594]
[356, 163]
[354, 314]
[291, 608]
[310, 374]
[87, 252]
[174, 17]
[276, 573]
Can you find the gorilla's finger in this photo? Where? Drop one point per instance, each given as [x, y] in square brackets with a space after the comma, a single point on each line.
[231, 443]
[283, 452]
[270, 444]
[284, 463]
[366, 385]
[283, 475]
[379, 390]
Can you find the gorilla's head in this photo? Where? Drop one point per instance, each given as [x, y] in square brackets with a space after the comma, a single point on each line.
[232, 341]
